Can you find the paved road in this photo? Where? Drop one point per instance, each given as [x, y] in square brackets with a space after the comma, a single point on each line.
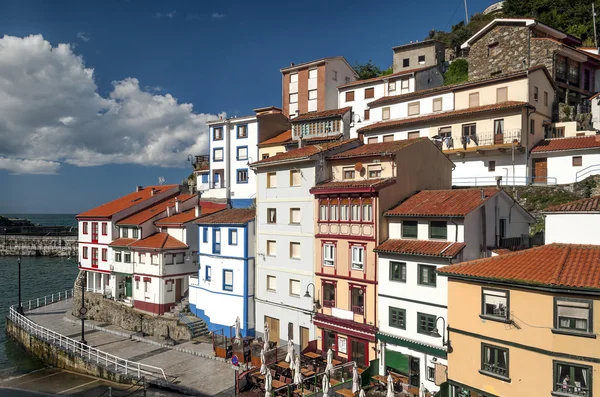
[204, 376]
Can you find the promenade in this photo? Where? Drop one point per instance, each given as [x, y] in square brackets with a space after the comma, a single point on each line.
[187, 370]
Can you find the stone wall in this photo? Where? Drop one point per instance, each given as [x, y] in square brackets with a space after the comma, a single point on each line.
[108, 311]
[38, 245]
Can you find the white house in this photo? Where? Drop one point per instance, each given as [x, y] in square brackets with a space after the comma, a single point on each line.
[285, 240]
[223, 289]
[430, 229]
[233, 145]
[574, 223]
[566, 160]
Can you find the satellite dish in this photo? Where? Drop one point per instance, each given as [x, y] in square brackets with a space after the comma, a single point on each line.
[161, 180]
[358, 166]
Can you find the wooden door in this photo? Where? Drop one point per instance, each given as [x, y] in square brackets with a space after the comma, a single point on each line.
[128, 288]
[273, 324]
[177, 290]
[304, 337]
[540, 170]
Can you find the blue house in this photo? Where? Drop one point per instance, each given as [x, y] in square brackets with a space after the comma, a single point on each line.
[224, 287]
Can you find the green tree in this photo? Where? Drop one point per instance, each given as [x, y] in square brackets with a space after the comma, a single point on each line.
[457, 72]
[367, 70]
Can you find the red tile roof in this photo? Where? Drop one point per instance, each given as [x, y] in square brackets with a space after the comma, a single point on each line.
[381, 78]
[206, 208]
[442, 203]
[122, 242]
[374, 184]
[280, 139]
[303, 152]
[145, 215]
[444, 115]
[322, 114]
[160, 241]
[573, 143]
[444, 249]
[107, 210]
[591, 204]
[554, 265]
[376, 149]
[232, 216]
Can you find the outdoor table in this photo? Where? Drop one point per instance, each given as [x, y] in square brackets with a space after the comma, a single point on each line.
[312, 355]
[276, 384]
[283, 364]
[301, 392]
[334, 382]
[380, 378]
[307, 372]
[345, 392]
[360, 370]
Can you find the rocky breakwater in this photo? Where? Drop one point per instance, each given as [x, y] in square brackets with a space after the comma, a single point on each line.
[38, 245]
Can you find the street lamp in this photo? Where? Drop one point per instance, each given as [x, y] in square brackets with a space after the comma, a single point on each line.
[83, 310]
[20, 305]
[436, 334]
[316, 303]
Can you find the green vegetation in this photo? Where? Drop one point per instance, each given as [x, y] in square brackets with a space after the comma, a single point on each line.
[461, 32]
[369, 70]
[457, 72]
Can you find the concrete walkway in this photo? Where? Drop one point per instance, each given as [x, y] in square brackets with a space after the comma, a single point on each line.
[186, 362]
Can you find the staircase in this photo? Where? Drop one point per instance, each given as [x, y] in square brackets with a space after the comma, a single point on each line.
[196, 325]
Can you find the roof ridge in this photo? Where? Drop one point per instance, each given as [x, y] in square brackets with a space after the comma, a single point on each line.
[165, 240]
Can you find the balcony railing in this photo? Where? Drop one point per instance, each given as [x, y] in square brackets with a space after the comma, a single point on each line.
[571, 390]
[494, 369]
[358, 309]
[481, 139]
[515, 243]
[328, 303]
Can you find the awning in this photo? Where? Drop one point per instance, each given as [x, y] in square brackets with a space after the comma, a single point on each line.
[121, 274]
[420, 347]
[398, 361]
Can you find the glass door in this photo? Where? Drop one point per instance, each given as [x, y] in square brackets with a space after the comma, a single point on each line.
[358, 352]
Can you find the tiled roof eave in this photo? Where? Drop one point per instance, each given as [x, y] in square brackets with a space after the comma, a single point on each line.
[282, 161]
[440, 255]
[565, 150]
[427, 215]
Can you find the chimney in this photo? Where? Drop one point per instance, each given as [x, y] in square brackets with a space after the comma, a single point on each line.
[152, 192]
[499, 181]
[361, 137]
[300, 143]
[597, 137]
[168, 212]
[139, 188]
[482, 195]
[176, 205]
[197, 211]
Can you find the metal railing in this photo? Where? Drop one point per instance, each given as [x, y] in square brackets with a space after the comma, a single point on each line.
[515, 243]
[510, 181]
[587, 171]
[480, 139]
[110, 362]
[33, 304]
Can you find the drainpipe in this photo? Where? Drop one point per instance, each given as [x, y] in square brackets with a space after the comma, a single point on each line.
[227, 158]
[455, 229]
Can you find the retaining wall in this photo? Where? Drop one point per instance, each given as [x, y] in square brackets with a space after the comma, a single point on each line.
[38, 245]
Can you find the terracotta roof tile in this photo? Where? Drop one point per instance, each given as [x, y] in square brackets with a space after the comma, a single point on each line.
[112, 207]
[233, 216]
[376, 149]
[372, 183]
[554, 265]
[444, 249]
[442, 203]
[122, 242]
[443, 115]
[280, 139]
[159, 241]
[145, 215]
[381, 78]
[206, 208]
[572, 143]
[591, 204]
[321, 115]
[303, 152]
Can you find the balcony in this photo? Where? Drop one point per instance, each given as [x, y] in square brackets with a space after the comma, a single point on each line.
[480, 141]
[358, 310]
[202, 162]
[328, 303]
[317, 129]
[515, 243]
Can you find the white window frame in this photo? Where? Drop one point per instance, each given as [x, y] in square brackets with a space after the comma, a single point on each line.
[218, 150]
[358, 257]
[328, 254]
[295, 211]
[274, 282]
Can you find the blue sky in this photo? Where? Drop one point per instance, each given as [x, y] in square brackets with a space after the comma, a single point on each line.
[221, 56]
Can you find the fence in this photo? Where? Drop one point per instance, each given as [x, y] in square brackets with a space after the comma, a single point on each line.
[90, 354]
[506, 181]
[587, 171]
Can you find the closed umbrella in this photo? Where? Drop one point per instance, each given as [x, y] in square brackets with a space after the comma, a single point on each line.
[268, 386]
[238, 331]
[266, 332]
[289, 358]
[293, 360]
[263, 367]
[325, 385]
[362, 393]
[298, 373]
[355, 379]
[329, 366]
[390, 386]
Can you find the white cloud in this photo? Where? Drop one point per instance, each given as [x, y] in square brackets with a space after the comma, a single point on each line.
[51, 113]
[217, 15]
[84, 36]
[169, 15]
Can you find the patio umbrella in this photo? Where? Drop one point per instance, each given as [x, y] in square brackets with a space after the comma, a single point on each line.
[355, 379]
[238, 331]
[390, 386]
[329, 366]
[293, 360]
[362, 393]
[298, 374]
[289, 358]
[268, 386]
[266, 346]
[325, 385]
[263, 368]
[266, 332]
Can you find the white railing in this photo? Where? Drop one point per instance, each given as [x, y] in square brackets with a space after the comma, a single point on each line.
[111, 363]
[47, 300]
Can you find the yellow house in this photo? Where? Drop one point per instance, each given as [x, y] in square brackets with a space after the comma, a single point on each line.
[366, 181]
[522, 324]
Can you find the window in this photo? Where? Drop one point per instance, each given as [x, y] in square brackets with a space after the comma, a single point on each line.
[295, 178]
[271, 283]
[473, 99]
[208, 273]
[242, 131]
[124, 232]
[154, 259]
[104, 229]
[572, 380]
[413, 135]
[217, 133]
[374, 171]
[242, 176]
[385, 113]
[334, 75]
[312, 94]
[425, 323]
[242, 153]
[271, 215]
[328, 295]
[427, 275]
[137, 285]
[437, 105]
[293, 77]
[355, 212]
[104, 254]
[265, 156]
[392, 87]
[397, 271]
[491, 165]
[295, 250]
[328, 254]
[127, 257]
[349, 96]
[369, 93]
[367, 114]
[85, 228]
[294, 98]
[372, 140]
[169, 286]
[343, 212]
[421, 59]
[494, 303]
[358, 258]
[323, 212]
[167, 261]
[501, 94]
[405, 62]
[294, 287]
[404, 84]
[227, 280]
[388, 138]
[85, 254]
[469, 130]
[348, 173]
[134, 232]
[577, 161]
[295, 215]
[573, 315]
[218, 154]
[205, 235]
[117, 254]
[414, 108]
[438, 230]
[532, 127]
[367, 213]
[493, 50]
[233, 237]
[536, 94]
[347, 79]
[397, 318]
[333, 212]
[431, 374]
[494, 361]
[216, 241]
[271, 248]
[329, 339]
[409, 229]
[545, 98]
[271, 180]
[357, 299]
